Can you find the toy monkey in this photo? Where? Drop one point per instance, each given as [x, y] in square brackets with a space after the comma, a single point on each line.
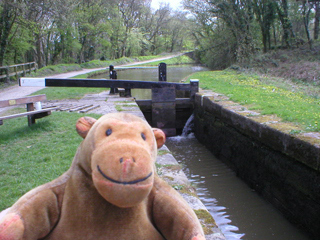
[111, 191]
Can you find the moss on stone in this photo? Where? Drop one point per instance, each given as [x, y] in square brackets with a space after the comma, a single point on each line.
[285, 127]
[206, 220]
[266, 118]
[188, 189]
[312, 138]
[163, 152]
[172, 167]
[167, 178]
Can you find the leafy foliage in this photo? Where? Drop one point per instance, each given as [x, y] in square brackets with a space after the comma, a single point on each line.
[228, 31]
[52, 32]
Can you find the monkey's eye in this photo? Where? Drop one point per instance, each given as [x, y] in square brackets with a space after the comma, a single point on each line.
[108, 132]
[143, 136]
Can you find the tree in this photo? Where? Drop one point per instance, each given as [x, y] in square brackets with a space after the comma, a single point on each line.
[316, 19]
[283, 13]
[155, 26]
[131, 12]
[8, 16]
[265, 12]
[65, 31]
[238, 16]
[306, 10]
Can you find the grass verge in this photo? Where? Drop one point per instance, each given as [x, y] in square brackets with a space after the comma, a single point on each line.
[35, 155]
[55, 69]
[173, 61]
[60, 93]
[253, 91]
[63, 68]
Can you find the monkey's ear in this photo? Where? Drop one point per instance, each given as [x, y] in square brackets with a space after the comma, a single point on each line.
[160, 137]
[83, 125]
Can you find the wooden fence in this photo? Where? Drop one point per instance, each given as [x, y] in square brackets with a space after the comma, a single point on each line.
[16, 70]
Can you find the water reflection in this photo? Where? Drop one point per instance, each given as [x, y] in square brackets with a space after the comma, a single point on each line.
[239, 211]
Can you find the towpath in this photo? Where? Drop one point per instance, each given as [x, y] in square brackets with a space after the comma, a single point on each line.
[18, 92]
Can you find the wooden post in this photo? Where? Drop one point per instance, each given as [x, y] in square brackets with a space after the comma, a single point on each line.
[162, 69]
[194, 85]
[8, 73]
[164, 109]
[127, 92]
[113, 75]
[24, 71]
[31, 118]
[35, 66]
[16, 71]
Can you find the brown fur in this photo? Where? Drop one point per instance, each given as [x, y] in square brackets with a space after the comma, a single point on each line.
[111, 191]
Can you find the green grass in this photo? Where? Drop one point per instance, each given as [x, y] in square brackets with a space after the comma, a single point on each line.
[249, 90]
[31, 156]
[100, 64]
[55, 69]
[145, 58]
[173, 61]
[60, 93]
[90, 74]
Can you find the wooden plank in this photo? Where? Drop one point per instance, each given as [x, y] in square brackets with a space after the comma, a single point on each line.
[89, 109]
[32, 82]
[27, 113]
[132, 84]
[16, 71]
[14, 74]
[31, 118]
[80, 108]
[16, 101]
[99, 83]
[164, 94]
[18, 65]
[179, 101]
[194, 84]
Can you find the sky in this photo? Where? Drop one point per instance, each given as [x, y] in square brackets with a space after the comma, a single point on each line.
[173, 3]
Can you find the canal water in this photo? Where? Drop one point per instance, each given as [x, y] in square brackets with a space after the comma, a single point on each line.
[238, 210]
[174, 74]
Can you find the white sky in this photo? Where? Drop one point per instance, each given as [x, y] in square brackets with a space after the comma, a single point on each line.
[173, 3]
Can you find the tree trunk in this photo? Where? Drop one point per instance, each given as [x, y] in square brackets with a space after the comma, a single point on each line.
[38, 47]
[6, 23]
[306, 14]
[288, 34]
[316, 20]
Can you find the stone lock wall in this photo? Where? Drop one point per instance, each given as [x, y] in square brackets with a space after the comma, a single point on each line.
[280, 167]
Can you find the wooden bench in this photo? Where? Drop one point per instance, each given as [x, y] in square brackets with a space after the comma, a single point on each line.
[32, 113]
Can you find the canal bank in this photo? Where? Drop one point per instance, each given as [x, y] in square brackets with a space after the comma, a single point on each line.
[281, 167]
